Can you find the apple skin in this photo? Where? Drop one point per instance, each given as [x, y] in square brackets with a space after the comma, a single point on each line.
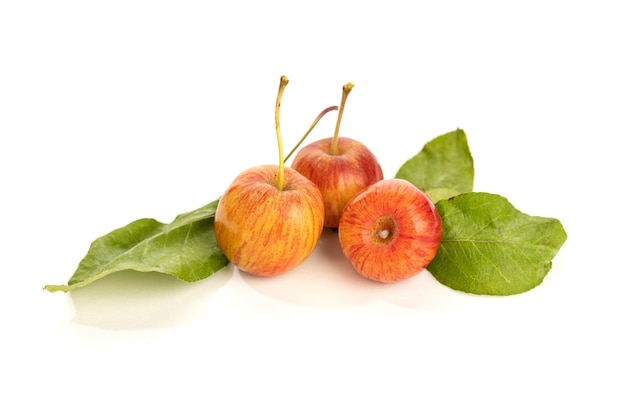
[339, 177]
[265, 231]
[390, 231]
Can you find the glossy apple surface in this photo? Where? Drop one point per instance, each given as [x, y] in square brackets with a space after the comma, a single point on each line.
[390, 231]
[266, 231]
[338, 176]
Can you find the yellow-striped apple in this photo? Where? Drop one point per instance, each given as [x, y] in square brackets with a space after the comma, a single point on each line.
[390, 231]
[339, 166]
[270, 218]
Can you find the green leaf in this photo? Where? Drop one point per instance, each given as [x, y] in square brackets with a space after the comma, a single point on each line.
[185, 248]
[490, 247]
[436, 194]
[443, 163]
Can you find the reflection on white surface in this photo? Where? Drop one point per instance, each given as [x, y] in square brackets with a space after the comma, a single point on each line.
[142, 300]
[327, 279]
[134, 300]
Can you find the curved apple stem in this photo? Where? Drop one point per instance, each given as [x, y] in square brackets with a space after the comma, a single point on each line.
[315, 122]
[346, 90]
[281, 164]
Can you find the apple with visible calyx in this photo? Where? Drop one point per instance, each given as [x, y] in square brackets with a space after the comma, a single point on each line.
[390, 231]
[339, 166]
[270, 218]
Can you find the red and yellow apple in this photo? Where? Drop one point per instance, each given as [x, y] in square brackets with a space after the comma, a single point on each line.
[339, 166]
[271, 217]
[390, 231]
[264, 230]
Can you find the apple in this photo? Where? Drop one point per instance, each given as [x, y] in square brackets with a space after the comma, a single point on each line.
[270, 217]
[390, 231]
[339, 166]
[266, 230]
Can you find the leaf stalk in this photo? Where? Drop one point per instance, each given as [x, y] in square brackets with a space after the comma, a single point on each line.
[315, 122]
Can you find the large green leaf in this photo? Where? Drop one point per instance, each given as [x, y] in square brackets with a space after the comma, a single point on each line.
[185, 248]
[490, 247]
[443, 168]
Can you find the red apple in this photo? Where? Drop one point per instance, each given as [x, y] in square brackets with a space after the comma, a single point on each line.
[390, 231]
[271, 217]
[339, 166]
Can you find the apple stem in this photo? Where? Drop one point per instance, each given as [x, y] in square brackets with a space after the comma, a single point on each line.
[346, 90]
[281, 164]
[315, 122]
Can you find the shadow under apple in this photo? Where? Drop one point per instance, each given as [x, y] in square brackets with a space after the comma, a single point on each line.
[130, 300]
[327, 278]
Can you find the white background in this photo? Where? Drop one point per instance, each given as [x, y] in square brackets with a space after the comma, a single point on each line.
[113, 111]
